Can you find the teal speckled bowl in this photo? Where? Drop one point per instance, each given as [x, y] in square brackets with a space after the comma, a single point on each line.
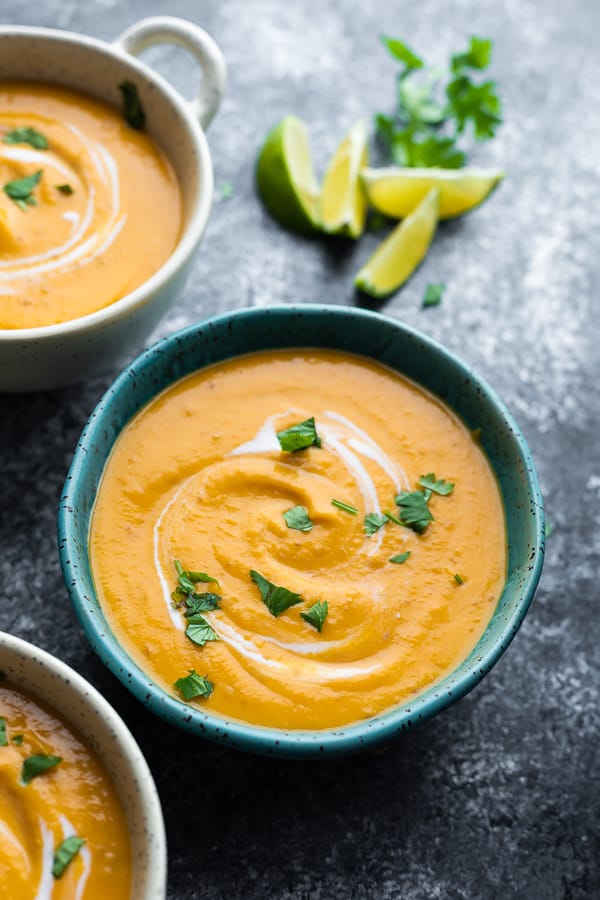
[355, 331]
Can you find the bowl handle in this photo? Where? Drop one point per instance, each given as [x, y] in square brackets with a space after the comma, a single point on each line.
[171, 30]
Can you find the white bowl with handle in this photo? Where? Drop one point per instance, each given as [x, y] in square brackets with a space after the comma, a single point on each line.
[54, 355]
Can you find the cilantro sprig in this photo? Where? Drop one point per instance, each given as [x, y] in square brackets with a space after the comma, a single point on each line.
[275, 597]
[299, 437]
[316, 615]
[297, 518]
[21, 190]
[187, 579]
[65, 854]
[436, 106]
[413, 510]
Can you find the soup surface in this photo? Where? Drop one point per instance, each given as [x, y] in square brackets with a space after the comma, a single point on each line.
[199, 480]
[89, 207]
[45, 806]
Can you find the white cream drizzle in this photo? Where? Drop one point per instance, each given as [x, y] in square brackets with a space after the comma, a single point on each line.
[44, 891]
[86, 241]
[336, 440]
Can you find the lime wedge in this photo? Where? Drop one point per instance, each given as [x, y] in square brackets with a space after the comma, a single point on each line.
[397, 191]
[285, 178]
[396, 259]
[343, 202]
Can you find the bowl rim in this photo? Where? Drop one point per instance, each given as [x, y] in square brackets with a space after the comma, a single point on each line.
[190, 235]
[260, 739]
[138, 773]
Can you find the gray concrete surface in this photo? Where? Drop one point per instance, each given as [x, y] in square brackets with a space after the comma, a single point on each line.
[498, 798]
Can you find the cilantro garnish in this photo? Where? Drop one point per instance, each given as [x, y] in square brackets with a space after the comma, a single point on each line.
[187, 579]
[133, 111]
[199, 603]
[17, 739]
[345, 507]
[65, 853]
[37, 765]
[436, 105]
[439, 486]
[194, 685]
[199, 631]
[3, 737]
[299, 436]
[276, 598]
[21, 189]
[459, 579]
[65, 189]
[400, 557]
[373, 522]
[26, 136]
[433, 295]
[392, 517]
[297, 517]
[316, 615]
[414, 512]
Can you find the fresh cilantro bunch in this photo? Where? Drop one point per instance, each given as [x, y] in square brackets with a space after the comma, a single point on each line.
[436, 105]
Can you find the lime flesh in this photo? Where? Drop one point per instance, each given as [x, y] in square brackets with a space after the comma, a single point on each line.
[398, 256]
[397, 191]
[285, 178]
[343, 202]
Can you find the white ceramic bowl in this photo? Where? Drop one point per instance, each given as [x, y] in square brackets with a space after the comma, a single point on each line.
[54, 355]
[48, 679]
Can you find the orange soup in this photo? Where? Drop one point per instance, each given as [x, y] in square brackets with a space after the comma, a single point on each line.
[63, 833]
[90, 207]
[297, 539]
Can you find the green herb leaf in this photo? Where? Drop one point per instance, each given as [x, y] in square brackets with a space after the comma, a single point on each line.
[17, 739]
[276, 598]
[199, 603]
[475, 103]
[133, 111]
[478, 55]
[316, 615]
[21, 189]
[438, 486]
[297, 517]
[392, 517]
[299, 436]
[400, 557]
[459, 579]
[3, 737]
[433, 294]
[345, 507]
[65, 189]
[226, 190]
[414, 512]
[65, 853]
[373, 522]
[402, 53]
[26, 136]
[188, 578]
[37, 765]
[199, 631]
[194, 685]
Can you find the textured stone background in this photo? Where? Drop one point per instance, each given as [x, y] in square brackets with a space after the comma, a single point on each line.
[499, 796]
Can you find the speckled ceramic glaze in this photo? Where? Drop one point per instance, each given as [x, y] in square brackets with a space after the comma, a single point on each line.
[339, 328]
[54, 355]
[47, 678]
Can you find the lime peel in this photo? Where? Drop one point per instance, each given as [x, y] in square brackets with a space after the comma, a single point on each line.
[343, 202]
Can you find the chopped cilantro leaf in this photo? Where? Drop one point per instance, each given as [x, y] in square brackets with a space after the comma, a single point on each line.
[414, 512]
[316, 615]
[300, 436]
[17, 739]
[37, 765]
[392, 517]
[199, 631]
[459, 579]
[199, 603]
[26, 136]
[433, 294]
[438, 486]
[475, 103]
[21, 189]
[3, 737]
[402, 52]
[373, 522]
[297, 517]
[345, 507]
[276, 598]
[65, 189]
[400, 557]
[478, 56]
[133, 111]
[65, 853]
[194, 685]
